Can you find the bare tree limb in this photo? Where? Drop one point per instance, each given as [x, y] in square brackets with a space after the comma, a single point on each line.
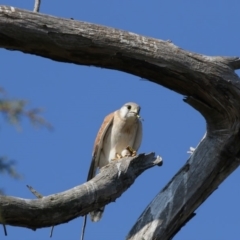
[109, 184]
[93, 45]
[39, 195]
[189, 188]
[209, 84]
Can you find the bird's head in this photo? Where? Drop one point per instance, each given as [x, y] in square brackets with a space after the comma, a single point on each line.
[130, 111]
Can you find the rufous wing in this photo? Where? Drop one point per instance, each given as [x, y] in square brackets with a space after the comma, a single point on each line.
[107, 122]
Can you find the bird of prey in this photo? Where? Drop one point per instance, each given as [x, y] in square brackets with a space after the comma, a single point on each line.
[119, 136]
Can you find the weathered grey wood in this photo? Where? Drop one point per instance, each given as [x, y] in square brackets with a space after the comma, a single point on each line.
[109, 184]
[83, 43]
[37, 5]
[188, 189]
[209, 84]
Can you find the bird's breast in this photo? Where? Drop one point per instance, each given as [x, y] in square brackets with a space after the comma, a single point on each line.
[123, 135]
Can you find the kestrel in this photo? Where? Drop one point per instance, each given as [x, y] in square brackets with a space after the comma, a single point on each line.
[119, 136]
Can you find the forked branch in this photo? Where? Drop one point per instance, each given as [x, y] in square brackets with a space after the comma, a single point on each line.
[209, 85]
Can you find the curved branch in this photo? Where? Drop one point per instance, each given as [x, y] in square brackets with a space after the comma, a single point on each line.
[109, 184]
[169, 211]
[67, 40]
[209, 84]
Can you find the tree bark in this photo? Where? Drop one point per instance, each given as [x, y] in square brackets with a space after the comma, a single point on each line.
[109, 184]
[209, 85]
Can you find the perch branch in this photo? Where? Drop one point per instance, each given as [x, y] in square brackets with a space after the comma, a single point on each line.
[109, 184]
[38, 195]
[209, 83]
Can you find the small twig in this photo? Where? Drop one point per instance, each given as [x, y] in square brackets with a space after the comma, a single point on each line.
[84, 226]
[34, 192]
[38, 195]
[5, 229]
[51, 232]
[4, 226]
[37, 5]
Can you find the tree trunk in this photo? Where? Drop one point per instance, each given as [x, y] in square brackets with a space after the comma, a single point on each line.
[209, 84]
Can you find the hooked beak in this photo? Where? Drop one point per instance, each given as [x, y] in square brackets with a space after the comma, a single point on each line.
[139, 117]
[137, 114]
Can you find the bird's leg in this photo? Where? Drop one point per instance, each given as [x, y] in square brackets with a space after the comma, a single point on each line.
[132, 152]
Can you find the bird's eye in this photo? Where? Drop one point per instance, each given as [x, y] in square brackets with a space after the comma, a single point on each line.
[128, 107]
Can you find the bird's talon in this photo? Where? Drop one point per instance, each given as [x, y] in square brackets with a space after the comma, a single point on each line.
[132, 152]
[118, 156]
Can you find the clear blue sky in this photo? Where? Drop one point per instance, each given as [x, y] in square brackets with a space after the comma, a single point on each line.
[77, 98]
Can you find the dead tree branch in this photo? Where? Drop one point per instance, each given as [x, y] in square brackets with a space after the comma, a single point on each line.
[209, 84]
[39, 195]
[109, 184]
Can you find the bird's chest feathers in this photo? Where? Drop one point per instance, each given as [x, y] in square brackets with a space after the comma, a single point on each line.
[123, 133]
